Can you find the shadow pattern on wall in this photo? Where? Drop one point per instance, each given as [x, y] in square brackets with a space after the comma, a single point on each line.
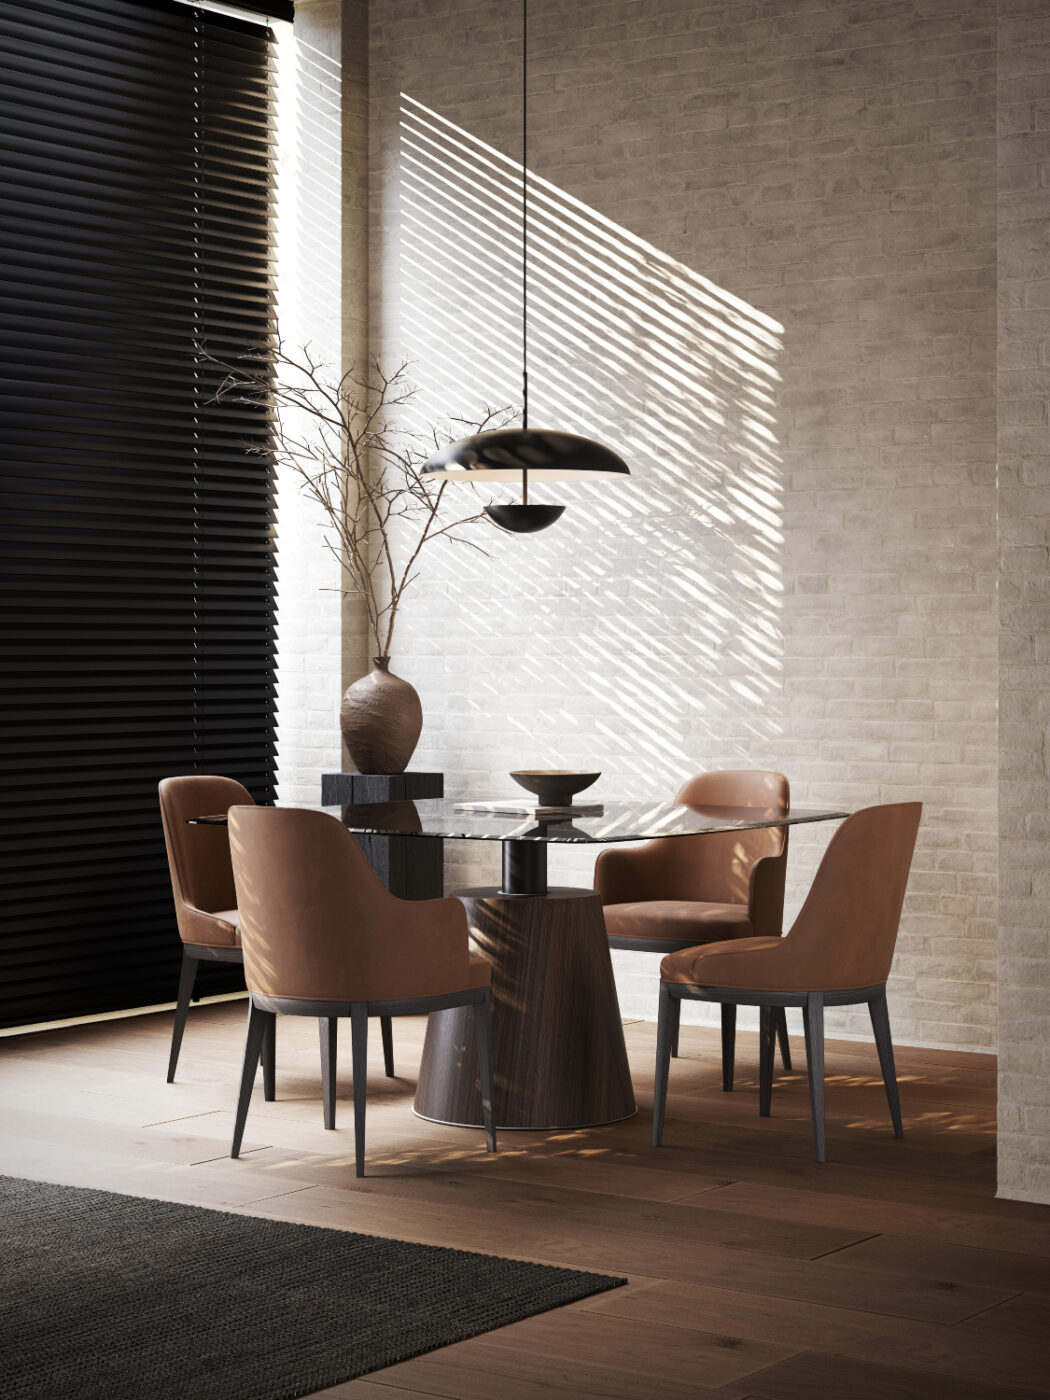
[641, 634]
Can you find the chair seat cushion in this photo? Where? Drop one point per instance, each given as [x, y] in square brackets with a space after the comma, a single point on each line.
[685, 921]
[738, 962]
[480, 972]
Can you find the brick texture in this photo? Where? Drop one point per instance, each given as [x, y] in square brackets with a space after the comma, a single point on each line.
[763, 263]
[309, 625]
[1024, 598]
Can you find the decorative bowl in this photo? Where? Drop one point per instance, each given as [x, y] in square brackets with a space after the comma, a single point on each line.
[555, 787]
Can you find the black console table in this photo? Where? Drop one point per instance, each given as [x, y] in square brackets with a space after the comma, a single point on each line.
[410, 867]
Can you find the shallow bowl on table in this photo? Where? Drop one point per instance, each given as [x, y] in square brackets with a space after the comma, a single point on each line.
[555, 787]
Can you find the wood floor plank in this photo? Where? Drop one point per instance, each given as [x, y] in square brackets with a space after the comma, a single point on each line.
[553, 1208]
[818, 1374]
[748, 1271]
[334, 1209]
[715, 1145]
[494, 1378]
[367, 1390]
[616, 1178]
[956, 1263]
[1025, 1315]
[596, 1355]
[945, 1351]
[538, 1166]
[704, 1043]
[878, 1217]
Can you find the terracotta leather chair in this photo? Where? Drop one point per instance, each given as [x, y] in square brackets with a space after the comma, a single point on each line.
[837, 953]
[205, 899]
[322, 937]
[681, 891]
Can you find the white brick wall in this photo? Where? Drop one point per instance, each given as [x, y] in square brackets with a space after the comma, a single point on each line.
[1024, 652]
[309, 645]
[764, 268]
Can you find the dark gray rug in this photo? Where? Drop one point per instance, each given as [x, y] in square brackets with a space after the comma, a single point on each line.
[110, 1297]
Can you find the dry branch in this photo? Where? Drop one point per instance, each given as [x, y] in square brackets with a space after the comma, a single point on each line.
[342, 437]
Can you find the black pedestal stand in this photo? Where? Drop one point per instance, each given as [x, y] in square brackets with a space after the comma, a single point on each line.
[412, 867]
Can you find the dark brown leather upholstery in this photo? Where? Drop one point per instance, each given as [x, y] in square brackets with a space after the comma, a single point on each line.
[317, 925]
[703, 888]
[199, 858]
[846, 931]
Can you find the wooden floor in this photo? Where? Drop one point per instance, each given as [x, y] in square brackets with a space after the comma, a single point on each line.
[890, 1272]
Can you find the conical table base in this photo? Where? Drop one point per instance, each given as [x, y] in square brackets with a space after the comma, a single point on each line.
[558, 1048]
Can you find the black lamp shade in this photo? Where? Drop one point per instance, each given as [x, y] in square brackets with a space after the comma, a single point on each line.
[523, 520]
[504, 453]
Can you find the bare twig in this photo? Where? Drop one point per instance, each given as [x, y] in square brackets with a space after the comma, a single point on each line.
[341, 436]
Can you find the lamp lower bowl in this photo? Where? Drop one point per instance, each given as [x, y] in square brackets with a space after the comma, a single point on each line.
[555, 787]
[523, 520]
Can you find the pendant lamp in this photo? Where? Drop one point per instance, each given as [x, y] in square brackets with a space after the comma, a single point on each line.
[505, 454]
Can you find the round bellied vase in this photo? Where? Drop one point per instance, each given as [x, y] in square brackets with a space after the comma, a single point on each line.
[381, 719]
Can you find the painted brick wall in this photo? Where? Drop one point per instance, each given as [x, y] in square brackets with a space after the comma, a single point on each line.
[764, 244]
[309, 237]
[1024, 655]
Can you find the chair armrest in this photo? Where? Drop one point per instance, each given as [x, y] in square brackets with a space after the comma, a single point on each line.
[765, 896]
[622, 876]
[199, 926]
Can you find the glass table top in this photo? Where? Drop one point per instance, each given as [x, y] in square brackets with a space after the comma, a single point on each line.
[618, 821]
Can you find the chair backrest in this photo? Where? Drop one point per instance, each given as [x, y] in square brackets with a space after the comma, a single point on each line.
[728, 858]
[317, 924]
[846, 931]
[199, 856]
[714, 869]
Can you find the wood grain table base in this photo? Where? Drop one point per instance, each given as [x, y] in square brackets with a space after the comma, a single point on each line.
[558, 1044]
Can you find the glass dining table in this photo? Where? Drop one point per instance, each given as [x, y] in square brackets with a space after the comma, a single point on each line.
[558, 1046]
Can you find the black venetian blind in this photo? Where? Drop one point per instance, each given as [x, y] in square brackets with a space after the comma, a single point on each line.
[137, 634]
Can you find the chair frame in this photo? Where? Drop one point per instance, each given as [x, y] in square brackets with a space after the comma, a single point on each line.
[192, 954]
[262, 1016]
[675, 945]
[672, 994]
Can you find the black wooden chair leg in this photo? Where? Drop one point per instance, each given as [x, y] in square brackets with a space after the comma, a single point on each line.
[359, 1045]
[880, 1024]
[765, 1060]
[483, 1034]
[670, 1012]
[258, 1024]
[388, 1045]
[813, 1016]
[328, 1030]
[728, 1046]
[674, 1038]
[269, 1061]
[780, 1020]
[187, 977]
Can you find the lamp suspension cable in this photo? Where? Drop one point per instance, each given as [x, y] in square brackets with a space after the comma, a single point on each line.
[524, 235]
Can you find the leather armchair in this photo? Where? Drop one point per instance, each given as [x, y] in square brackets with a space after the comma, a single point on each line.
[202, 884]
[322, 937]
[838, 953]
[683, 891]
[205, 896]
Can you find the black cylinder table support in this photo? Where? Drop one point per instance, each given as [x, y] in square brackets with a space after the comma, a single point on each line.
[524, 867]
[558, 1048]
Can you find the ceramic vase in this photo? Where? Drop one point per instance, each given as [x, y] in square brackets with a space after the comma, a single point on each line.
[381, 719]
